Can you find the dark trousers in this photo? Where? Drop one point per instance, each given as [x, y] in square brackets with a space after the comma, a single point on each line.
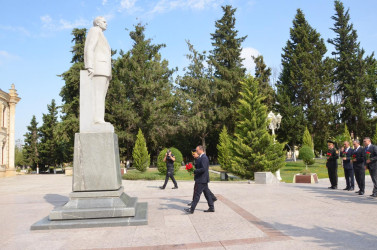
[373, 175]
[198, 190]
[171, 175]
[210, 192]
[349, 175]
[333, 176]
[360, 177]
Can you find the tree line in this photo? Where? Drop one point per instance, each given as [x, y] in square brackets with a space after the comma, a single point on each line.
[216, 96]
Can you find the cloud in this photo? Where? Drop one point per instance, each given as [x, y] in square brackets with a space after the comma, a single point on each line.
[17, 29]
[248, 61]
[104, 2]
[163, 6]
[62, 24]
[6, 57]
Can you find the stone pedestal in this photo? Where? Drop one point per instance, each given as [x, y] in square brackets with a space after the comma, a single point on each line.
[265, 178]
[308, 178]
[68, 171]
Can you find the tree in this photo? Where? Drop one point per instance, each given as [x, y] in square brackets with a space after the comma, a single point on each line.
[306, 155]
[305, 79]
[140, 155]
[48, 146]
[307, 139]
[347, 134]
[19, 154]
[374, 139]
[145, 87]
[226, 60]
[70, 95]
[262, 75]
[195, 92]
[254, 148]
[224, 149]
[350, 74]
[30, 149]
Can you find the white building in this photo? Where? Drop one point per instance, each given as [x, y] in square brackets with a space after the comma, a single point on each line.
[8, 103]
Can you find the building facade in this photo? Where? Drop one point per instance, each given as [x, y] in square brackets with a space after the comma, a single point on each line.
[8, 103]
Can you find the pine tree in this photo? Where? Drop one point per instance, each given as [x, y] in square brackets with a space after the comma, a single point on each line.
[374, 139]
[262, 75]
[48, 146]
[350, 75]
[70, 95]
[347, 134]
[305, 79]
[30, 149]
[226, 60]
[254, 147]
[307, 139]
[224, 149]
[141, 158]
[195, 92]
[145, 87]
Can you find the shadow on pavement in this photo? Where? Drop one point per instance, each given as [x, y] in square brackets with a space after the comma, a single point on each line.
[56, 199]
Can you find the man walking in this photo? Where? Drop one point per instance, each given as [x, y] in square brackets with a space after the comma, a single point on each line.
[169, 159]
[201, 182]
[371, 162]
[358, 166]
[332, 165]
[347, 165]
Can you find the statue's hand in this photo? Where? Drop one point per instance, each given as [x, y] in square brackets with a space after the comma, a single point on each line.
[90, 72]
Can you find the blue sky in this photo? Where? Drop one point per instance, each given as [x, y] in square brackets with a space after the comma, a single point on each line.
[35, 36]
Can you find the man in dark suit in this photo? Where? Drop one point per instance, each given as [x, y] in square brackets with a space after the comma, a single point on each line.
[347, 165]
[332, 164]
[201, 182]
[358, 166]
[371, 162]
[169, 159]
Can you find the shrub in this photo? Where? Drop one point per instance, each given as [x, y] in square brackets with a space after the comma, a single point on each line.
[224, 150]
[306, 154]
[161, 165]
[141, 158]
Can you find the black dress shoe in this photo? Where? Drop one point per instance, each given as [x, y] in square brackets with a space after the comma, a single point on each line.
[358, 191]
[211, 210]
[373, 195]
[351, 189]
[214, 199]
[330, 188]
[162, 187]
[335, 187]
[361, 193]
[175, 188]
[346, 188]
[189, 204]
[188, 210]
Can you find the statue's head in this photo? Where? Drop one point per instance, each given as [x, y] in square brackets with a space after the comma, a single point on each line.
[100, 21]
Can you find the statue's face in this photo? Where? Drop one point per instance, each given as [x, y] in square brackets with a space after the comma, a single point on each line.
[102, 23]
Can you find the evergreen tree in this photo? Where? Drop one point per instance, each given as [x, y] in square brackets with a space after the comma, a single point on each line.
[350, 73]
[224, 149]
[307, 139]
[374, 139]
[141, 158]
[347, 134]
[145, 87]
[70, 95]
[262, 75]
[195, 93]
[226, 60]
[30, 150]
[254, 148]
[305, 78]
[48, 146]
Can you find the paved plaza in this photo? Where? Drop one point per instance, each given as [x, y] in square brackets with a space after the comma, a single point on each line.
[248, 216]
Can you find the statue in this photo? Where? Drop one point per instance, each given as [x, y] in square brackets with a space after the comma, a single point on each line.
[97, 58]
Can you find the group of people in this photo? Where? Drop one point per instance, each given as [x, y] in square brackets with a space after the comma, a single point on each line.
[355, 161]
[201, 177]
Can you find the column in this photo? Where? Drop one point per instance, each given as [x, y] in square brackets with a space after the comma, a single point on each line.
[14, 99]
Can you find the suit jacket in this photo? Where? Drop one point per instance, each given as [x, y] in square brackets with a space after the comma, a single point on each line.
[332, 161]
[372, 149]
[201, 171]
[359, 156]
[347, 164]
[97, 52]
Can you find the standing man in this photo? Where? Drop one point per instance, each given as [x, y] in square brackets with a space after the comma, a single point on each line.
[371, 162]
[97, 58]
[348, 168]
[201, 182]
[169, 159]
[332, 164]
[358, 166]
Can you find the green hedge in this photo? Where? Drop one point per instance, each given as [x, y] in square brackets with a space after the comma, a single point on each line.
[161, 165]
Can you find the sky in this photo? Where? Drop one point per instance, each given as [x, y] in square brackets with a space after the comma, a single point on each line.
[36, 40]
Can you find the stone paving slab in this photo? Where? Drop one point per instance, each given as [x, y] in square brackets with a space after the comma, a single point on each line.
[248, 216]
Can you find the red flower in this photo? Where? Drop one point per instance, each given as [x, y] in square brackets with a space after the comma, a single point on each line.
[353, 157]
[190, 168]
[368, 155]
[328, 154]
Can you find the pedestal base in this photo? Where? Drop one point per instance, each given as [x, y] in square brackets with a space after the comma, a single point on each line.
[265, 178]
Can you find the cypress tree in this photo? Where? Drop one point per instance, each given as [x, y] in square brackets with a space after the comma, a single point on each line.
[254, 148]
[262, 75]
[224, 149]
[350, 73]
[30, 150]
[307, 139]
[226, 60]
[141, 158]
[347, 135]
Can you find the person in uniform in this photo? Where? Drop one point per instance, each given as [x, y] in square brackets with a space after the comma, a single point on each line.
[358, 166]
[332, 164]
[347, 153]
[169, 159]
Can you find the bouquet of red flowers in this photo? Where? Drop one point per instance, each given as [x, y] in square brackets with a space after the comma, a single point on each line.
[190, 168]
[344, 154]
[353, 157]
[328, 155]
[368, 155]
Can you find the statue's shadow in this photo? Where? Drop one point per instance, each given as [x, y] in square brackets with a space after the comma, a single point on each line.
[56, 199]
